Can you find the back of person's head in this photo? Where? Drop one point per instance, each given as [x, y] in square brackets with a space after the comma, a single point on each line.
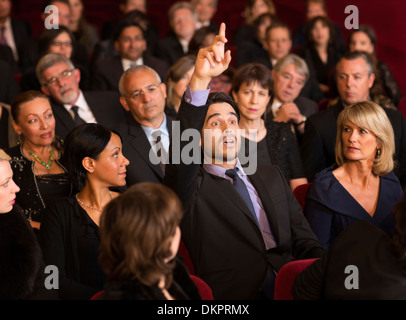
[301, 65]
[398, 240]
[86, 140]
[371, 117]
[136, 233]
[251, 73]
[48, 61]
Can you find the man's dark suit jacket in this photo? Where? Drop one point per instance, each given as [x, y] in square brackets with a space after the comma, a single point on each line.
[319, 138]
[105, 106]
[107, 72]
[381, 274]
[169, 49]
[136, 148]
[224, 242]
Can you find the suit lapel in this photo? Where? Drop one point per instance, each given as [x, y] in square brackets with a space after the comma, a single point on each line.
[139, 142]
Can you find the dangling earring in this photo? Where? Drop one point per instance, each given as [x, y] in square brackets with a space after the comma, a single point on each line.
[378, 153]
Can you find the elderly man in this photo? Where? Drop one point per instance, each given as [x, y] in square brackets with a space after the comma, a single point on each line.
[205, 10]
[59, 80]
[290, 75]
[239, 226]
[182, 20]
[355, 78]
[147, 127]
[131, 45]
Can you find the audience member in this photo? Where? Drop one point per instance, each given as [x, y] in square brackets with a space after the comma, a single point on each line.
[60, 81]
[253, 49]
[9, 88]
[147, 129]
[176, 82]
[60, 41]
[15, 31]
[278, 44]
[84, 32]
[314, 8]
[182, 20]
[69, 234]
[290, 75]
[222, 82]
[379, 259]
[355, 77]
[22, 271]
[125, 7]
[139, 240]
[132, 48]
[364, 39]
[218, 227]
[202, 38]
[321, 52]
[36, 160]
[253, 9]
[362, 185]
[205, 11]
[275, 142]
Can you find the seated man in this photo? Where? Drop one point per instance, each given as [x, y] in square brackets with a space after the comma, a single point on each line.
[131, 45]
[237, 241]
[290, 75]
[60, 80]
[355, 78]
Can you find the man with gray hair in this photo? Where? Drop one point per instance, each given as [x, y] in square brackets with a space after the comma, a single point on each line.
[290, 75]
[182, 20]
[147, 127]
[355, 78]
[59, 80]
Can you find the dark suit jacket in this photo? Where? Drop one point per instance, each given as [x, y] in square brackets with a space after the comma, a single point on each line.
[218, 229]
[8, 86]
[319, 138]
[136, 148]
[381, 274]
[169, 49]
[107, 72]
[105, 106]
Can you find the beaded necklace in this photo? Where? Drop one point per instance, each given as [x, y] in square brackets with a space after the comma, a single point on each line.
[46, 165]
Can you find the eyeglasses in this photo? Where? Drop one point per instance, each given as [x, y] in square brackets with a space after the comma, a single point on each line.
[62, 43]
[64, 75]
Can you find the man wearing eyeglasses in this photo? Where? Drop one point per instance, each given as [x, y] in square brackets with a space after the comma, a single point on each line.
[146, 131]
[59, 80]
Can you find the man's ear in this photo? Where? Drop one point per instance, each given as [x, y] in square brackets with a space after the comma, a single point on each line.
[123, 101]
[163, 88]
[88, 163]
[371, 80]
[45, 90]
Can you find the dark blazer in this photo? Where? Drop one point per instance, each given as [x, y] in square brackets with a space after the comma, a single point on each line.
[105, 106]
[169, 49]
[136, 148]
[225, 244]
[382, 275]
[107, 72]
[319, 138]
[9, 88]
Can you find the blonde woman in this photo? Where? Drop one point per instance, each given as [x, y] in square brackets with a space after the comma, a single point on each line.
[362, 186]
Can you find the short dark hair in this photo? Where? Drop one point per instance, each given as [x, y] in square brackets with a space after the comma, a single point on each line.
[86, 140]
[126, 23]
[368, 30]
[251, 73]
[221, 97]
[48, 36]
[277, 24]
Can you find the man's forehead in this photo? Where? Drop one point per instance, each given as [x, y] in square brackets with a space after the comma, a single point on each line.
[57, 67]
[220, 109]
[291, 68]
[352, 66]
